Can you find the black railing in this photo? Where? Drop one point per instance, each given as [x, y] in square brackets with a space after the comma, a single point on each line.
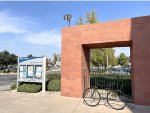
[109, 79]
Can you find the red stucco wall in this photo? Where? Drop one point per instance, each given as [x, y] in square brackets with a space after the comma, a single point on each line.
[76, 42]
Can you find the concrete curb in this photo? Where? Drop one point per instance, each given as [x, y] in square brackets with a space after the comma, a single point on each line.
[8, 74]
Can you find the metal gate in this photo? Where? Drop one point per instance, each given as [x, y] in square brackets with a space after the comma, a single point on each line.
[115, 79]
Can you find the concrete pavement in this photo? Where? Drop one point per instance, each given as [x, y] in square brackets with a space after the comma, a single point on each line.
[5, 87]
[16, 102]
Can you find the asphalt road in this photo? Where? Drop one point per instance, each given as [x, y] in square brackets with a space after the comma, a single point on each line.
[6, 81]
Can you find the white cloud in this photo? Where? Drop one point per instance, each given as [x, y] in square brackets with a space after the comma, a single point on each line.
[44, 38]
[13, 24]
[26, 29]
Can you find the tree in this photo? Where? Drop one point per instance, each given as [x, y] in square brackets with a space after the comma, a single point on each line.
[128, 59]
[80, 21]
[91, 17]
[96, 57]
[30, 55]
[122, 59]
[54, 58]
[4, 58]
[7, 59]
[112, 60]
[12, 59]
[99, 57]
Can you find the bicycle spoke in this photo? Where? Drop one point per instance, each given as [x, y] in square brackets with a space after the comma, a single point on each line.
[91, 97]
[116, 99]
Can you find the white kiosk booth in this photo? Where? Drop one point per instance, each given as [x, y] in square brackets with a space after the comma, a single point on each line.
[32, 69]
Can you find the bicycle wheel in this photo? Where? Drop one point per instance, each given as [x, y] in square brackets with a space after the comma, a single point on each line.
[91, 97]
[117, 99]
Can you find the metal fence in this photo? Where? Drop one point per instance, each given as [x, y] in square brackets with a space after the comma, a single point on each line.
[108, 79]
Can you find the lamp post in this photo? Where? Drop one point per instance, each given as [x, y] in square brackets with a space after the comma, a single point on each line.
[107, 60]
[68, 18]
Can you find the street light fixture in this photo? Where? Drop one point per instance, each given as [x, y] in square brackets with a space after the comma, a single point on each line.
[68, 18]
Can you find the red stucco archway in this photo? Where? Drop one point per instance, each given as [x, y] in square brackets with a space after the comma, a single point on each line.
[76, 41]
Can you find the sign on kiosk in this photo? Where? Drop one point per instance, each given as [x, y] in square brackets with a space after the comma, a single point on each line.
[38, 71]
[32, 69]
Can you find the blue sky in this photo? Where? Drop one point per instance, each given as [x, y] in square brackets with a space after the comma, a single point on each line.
[34, 27]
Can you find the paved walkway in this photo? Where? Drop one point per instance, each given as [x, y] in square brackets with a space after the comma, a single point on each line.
[5, 87]
[15, 102]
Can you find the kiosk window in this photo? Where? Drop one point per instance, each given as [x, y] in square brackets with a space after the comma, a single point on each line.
[38, 71]
[30, 71]
[22, 71]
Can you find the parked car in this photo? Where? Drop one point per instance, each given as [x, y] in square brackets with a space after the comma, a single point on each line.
[12, 68]
[119, 71]
[3, 67]
[95, 69]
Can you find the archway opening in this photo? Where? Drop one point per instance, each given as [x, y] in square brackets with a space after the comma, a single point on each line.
[108, 67]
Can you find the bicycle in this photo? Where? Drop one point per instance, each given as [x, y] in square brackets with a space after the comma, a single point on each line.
[115, 98]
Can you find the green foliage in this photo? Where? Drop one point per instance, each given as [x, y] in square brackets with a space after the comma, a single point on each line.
[112, 60]
[53, 85]
[123, 59]
[80, 22]
[12, 59]
[52, 76]
[30, 55]
[30, 87]
[13, 86]
[91, 17]
[99, 57]
[7, 59]
[128, 59]
[53, 81]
